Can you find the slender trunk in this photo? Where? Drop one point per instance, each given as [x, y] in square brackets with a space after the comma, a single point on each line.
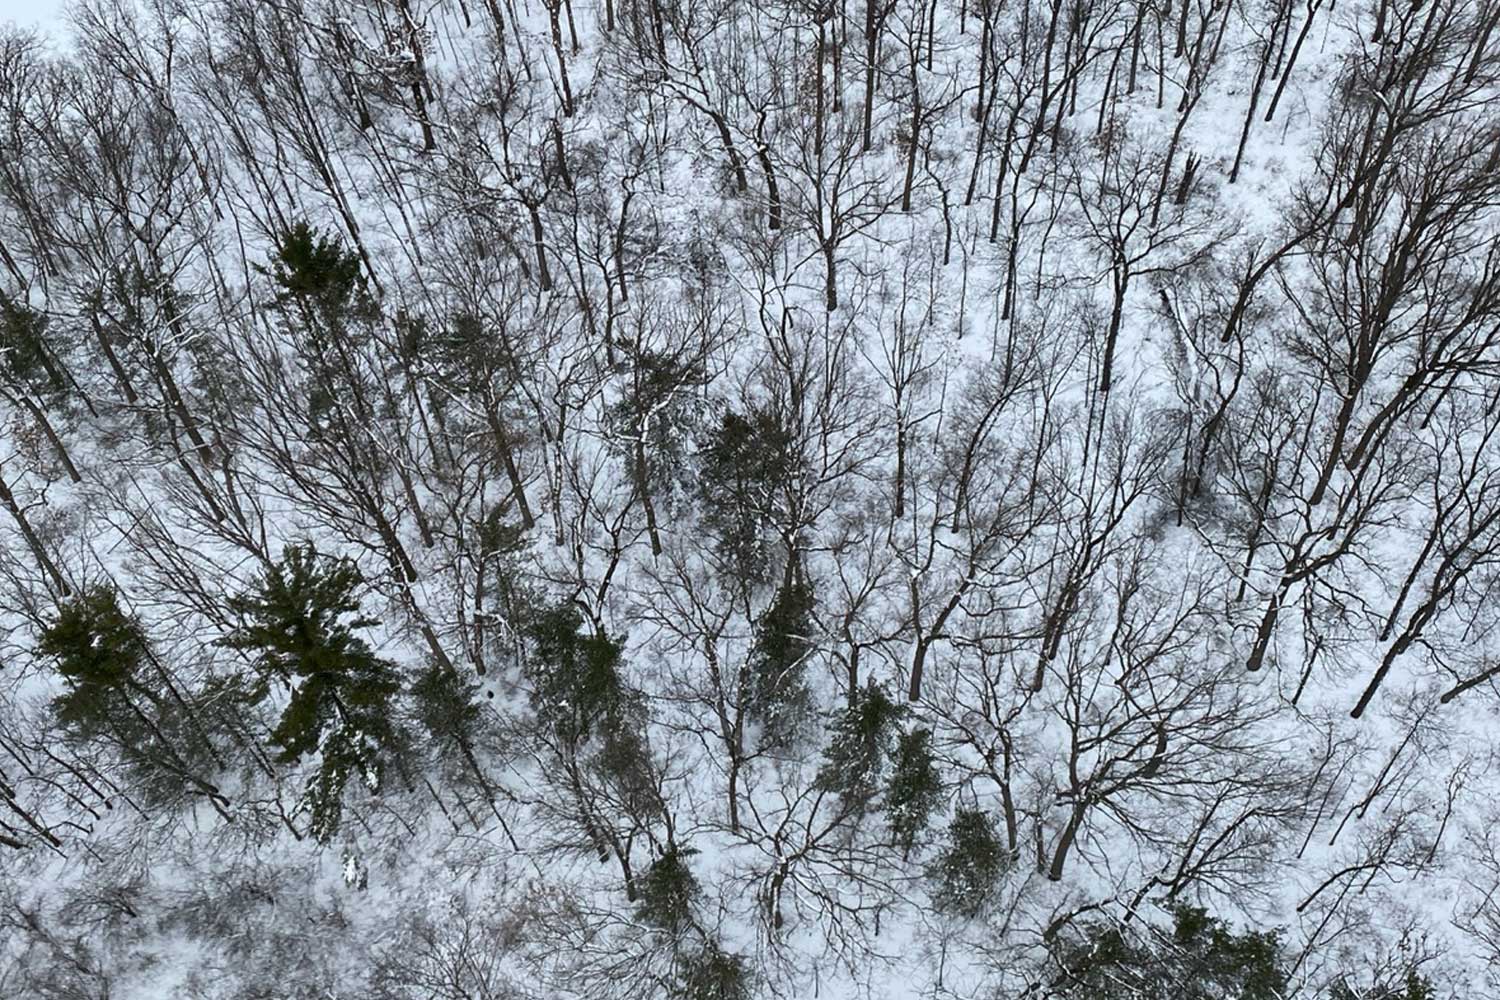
[1335, 449]
[538, 237]
[1411, 579]
[507, 458]
[179, 407]
[1266, 630]
[1286, 73]
[1263, 503]
[984, 63]
[572, 28]
[40, 416]
[554, 8]
[1260, 82]
[1135, 54]
[643, 487]
[1380, 12]
[900, 499]
[741, 182]
[912, 140]
[1166, 170]
[872, 53]
[8, 499]
[1065, 841]
[408, 488]
[733, 791]
[830, 280]
[839, 36]
[773, 192]
[418, 76]
[1106, 102]
[1112, 336]
[619, 255]
[818, 96]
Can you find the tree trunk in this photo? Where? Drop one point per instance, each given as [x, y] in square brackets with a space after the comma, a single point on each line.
[830, 279]
[553, 10]
[539, 241]
[40, 416]
[1112, 335]
[644, 489]
[507, 458]
[32, 541]
[773, 193]
[1286, 73]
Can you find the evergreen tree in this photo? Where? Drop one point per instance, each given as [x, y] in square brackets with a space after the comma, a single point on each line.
[971, 864]
[667, 891]
[746, 462]
[466, 354]
[294, 620]
[778, 695]
[860, 748]
[578, 694]
[446, 708]
[915, 789]
[1201, 958]
[577, 689]
[100, 651]
[316, 269]
[498, 535]
[710, 973]
[25, 360]
[657, 414]
[1411, 985]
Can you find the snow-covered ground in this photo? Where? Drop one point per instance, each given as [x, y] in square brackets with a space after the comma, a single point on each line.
[713, 397]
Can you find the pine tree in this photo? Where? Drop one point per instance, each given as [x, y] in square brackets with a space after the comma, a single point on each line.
[657, 414]
[860, 748]
[465, 354]
[315, 268]
[1200, 958]
[578, 694]
[746, 461]
[577, 688]
[711, 973]
[915, 788]
[446, 707]
[25, 360]
[1411, 985]
[667, 890]
[293, 620]
[320, 284]
[103, 652]
[970, 865]
[498, 535]
[778, 695]
[100, 651]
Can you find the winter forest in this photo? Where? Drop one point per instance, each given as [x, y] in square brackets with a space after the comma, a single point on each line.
[740, 499]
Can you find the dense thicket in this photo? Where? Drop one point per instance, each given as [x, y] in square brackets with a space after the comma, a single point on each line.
[723, 499]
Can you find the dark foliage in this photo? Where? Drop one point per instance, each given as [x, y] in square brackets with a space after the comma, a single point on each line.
[667, 891]
[915, 789]
[860, 746]
[315, 268]
[577, 683]
[1201, 958]
[712, 974]
[779, 697]
[100, 650]
[294, 624]
[25, 359]
[746, 464]
[971, 864]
